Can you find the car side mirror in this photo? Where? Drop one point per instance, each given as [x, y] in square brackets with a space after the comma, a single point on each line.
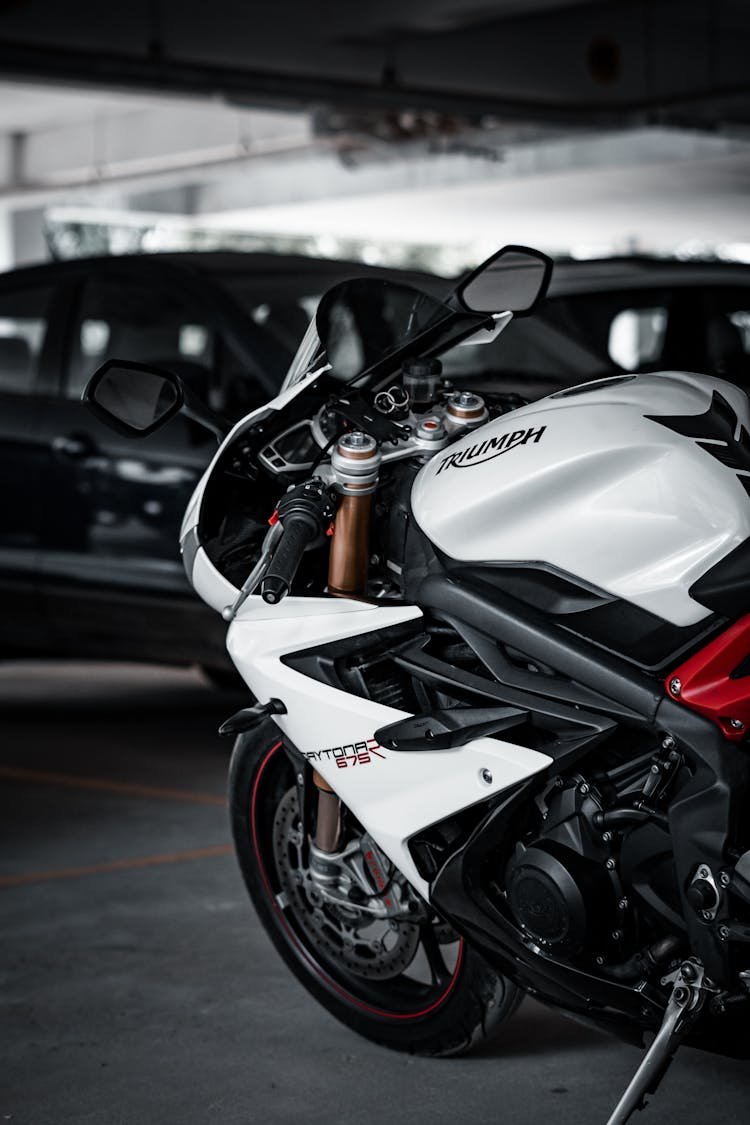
[513, 280]
[135, 400]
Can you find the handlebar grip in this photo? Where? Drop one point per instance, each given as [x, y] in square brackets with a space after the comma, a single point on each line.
[299, 530]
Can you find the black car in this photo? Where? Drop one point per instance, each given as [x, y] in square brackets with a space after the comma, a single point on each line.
[89, 520]
[627, 314]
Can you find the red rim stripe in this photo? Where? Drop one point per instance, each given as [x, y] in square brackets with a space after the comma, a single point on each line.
[301, 949]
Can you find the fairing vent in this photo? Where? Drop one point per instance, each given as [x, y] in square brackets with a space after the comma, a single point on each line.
[387, 684]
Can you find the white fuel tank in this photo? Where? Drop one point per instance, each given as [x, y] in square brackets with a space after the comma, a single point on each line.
[635, 485]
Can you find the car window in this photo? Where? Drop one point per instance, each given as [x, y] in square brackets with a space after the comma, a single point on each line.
[24, 318]
[136, 321]
[283, 315]
[533, 357]
[629, 328]
[689, 327]
[740, 318]
[280, 318]
[636, 336]
[727, 326]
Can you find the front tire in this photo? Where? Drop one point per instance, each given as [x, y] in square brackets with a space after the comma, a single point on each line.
[429, 994]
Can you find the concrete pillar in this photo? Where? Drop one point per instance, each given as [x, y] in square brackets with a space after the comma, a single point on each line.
[6, 240]
[27, 240]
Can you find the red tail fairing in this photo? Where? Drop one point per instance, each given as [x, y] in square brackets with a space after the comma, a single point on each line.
[716, 681]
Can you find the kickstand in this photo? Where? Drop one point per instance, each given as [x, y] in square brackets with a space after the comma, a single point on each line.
[686, 1001]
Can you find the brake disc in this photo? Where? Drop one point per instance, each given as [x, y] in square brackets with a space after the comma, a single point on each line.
[375, 948]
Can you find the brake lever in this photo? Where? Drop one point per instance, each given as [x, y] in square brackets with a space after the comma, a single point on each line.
[257, 574]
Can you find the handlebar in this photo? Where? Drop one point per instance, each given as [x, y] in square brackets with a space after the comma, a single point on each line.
[299, 531]
[304, 514]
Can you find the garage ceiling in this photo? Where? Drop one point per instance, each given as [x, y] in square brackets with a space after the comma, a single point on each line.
[596, 63]
[584, 127]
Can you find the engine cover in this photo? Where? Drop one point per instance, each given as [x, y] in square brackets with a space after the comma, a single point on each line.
[559, 885]
[546, 900]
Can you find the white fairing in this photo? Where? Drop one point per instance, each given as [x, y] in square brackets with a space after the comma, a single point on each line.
[589, 485]
[393, 794]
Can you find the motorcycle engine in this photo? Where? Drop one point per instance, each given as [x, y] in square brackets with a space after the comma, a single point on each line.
[561, 882]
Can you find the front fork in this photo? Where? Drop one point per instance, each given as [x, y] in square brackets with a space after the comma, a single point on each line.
[328, 820]
[355, 463]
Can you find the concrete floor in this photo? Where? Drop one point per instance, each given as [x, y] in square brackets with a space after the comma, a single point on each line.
[138, 987]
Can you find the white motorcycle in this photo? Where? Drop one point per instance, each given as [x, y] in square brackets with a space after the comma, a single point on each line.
[502, 667]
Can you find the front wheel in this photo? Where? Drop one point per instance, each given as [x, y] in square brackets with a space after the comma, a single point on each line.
[379, 960]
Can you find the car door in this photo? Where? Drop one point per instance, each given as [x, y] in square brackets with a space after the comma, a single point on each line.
[111, 569]
[27, 309]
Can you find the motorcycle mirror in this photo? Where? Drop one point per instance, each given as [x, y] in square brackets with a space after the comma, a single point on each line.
[135, 400]
[513, 280]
